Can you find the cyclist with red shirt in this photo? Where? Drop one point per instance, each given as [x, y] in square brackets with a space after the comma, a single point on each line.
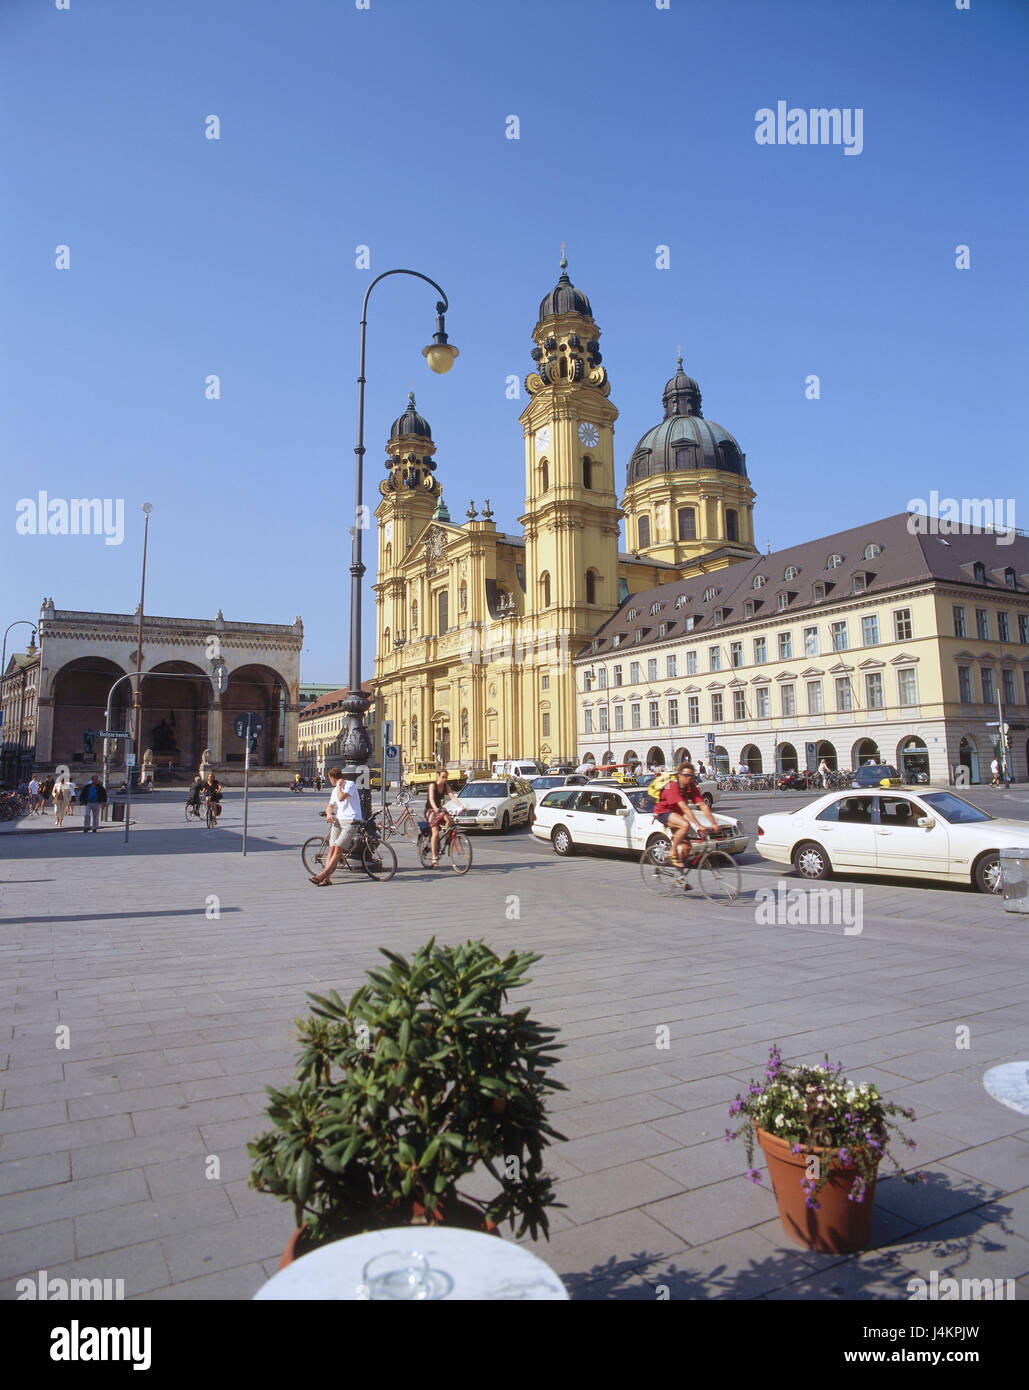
[681, 807]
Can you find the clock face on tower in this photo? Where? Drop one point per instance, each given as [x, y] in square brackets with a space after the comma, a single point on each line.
[543, 438]
[588, 434]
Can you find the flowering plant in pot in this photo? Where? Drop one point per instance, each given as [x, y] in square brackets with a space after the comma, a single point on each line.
[403, 1091]
[823, 1137]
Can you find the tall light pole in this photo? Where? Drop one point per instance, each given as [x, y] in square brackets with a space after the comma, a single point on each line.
[18, 622]
[440, 354]
[137, 694]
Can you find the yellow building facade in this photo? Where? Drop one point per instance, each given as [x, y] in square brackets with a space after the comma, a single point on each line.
[477, 628]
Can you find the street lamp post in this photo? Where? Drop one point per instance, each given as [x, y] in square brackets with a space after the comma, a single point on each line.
[137, 694]
[440, 354]
[18, 622]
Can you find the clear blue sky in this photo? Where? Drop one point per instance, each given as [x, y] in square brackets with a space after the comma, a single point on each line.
[386, 128]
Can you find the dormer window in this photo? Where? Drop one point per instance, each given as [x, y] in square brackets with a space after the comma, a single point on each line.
[759, 581]
[783, 601]
[834, 562]
[1009, 578]
[632, 614]
[663, 630]
[718, 614]
[872, 550]
[979, 572]
[709, 594]
[748, 608]
[791, 573]
[616, 641]
[818, 592]
[681, 601]
[639, 634]
[654, 609]
[859, 583]
[689, 622]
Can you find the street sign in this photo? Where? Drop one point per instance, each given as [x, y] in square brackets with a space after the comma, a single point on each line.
[220, 677]
[390, 763]
[130, 760]
[113, 733]
[256, 724]
[387, 731]
[240, 725]
[710, 743]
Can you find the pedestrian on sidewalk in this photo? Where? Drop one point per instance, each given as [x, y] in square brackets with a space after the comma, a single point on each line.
[72, 794]
[62, 799]
[94, 795]
[35, 800]
[46, 791]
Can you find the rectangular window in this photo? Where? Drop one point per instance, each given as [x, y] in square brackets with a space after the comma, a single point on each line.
[673, 713]
[693, 707]
[982, 624]
[789, 702]
[587, 681]
[634, 673]
[739, 704]
[655, 717]
[782, 602]
[785, 646]
[870, 631]
[814, 697]
[602, 712]
[671, 666]
[960, 625]
[763, 702]
[588, 715]
[907, 687]
[1023, 628]
[601, 679]
[546, 723]
[1025, 682]
[691, 663]
[1007, 680]
[839, 636]
[714, 657]
[687, 524]
[989, 693]
[616, 672]
[874, 690]
[760, 650]
[635, 711]
[619, 718]
[545, 682]
[902, 628]
[844, 696]
[811, 641]
[1003, 627]
[737, 653]
[716, 709]
[652, 669]
[965, 685]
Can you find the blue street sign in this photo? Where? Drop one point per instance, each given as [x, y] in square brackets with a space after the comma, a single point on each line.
[240, 725]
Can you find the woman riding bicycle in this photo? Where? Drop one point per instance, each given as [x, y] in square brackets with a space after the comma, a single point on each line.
[682, 807]
[437, 796]
[213, 795]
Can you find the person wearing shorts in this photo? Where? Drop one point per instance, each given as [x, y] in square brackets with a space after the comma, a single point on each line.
[682, 807]
[343, 814]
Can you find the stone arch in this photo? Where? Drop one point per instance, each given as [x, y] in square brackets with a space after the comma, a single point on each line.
[968, 756]
[751, 755]
[682, 755]
[175, 716]
[912, 756]
[827, 751]
[863, 750]
[632, 759]
[656, 757]
[721, 759]
[787, 755]
[78, 694]
[257, 689]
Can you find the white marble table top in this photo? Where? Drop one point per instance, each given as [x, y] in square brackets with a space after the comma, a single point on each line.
[1009, 1084]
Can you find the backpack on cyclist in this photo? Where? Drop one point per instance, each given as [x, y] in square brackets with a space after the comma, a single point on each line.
[658, 785]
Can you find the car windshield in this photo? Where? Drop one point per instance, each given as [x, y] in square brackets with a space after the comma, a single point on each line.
[541, 783]
[482, 791]
[953, 809]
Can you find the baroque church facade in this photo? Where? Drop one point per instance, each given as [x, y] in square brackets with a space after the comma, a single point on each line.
[477, 628]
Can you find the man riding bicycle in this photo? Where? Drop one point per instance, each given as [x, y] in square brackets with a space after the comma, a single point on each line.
[343, 814]
[681, 808]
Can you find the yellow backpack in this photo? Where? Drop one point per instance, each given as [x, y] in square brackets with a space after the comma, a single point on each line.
[658, 785]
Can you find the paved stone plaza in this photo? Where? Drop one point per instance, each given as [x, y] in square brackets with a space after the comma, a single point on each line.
[177, 1022]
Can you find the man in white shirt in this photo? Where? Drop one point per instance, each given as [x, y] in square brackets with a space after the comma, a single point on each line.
[35, 800]
[72, 794]
[343, 812]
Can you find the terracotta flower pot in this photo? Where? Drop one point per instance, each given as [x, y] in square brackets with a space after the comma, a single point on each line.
[463, 1215]
[839, 1226]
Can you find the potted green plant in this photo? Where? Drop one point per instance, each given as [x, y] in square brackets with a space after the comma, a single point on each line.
[403, 1091]
[823, 1138]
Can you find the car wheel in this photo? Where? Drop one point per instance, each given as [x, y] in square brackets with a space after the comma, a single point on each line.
[660, 844]
[709, 799]
[986, 874]
[562, 841]
[505, 824]
[811, 861]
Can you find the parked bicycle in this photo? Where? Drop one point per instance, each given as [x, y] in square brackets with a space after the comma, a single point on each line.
[718, 874]
[368, 852]
[452, 843]
[397, 820]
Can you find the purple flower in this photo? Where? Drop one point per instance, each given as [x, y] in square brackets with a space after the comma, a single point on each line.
[753, 1175]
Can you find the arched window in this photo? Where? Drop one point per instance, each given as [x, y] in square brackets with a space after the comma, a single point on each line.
[544, 476]
[545, 589]
[732, 526]
[643, 532]
[591, 586]
[759, 581]
[791, 573]
[709, 594]
[872, 550]
[587, 472]
[414, 616]
[834, 561]
[385, 643]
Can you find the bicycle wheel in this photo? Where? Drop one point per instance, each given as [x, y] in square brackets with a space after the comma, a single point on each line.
[313, 854]
[460, 852]
[658, 875]
[191, 812]
[719, 877]
[380, 862]
[408, 827]
[425, 850]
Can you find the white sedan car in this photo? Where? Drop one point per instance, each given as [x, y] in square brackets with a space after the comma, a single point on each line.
[495, 805]
[610, 817]
[905, 834]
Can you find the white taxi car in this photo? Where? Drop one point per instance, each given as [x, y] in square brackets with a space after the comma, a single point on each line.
[496, 804]
[905, 834]
[610, 817]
